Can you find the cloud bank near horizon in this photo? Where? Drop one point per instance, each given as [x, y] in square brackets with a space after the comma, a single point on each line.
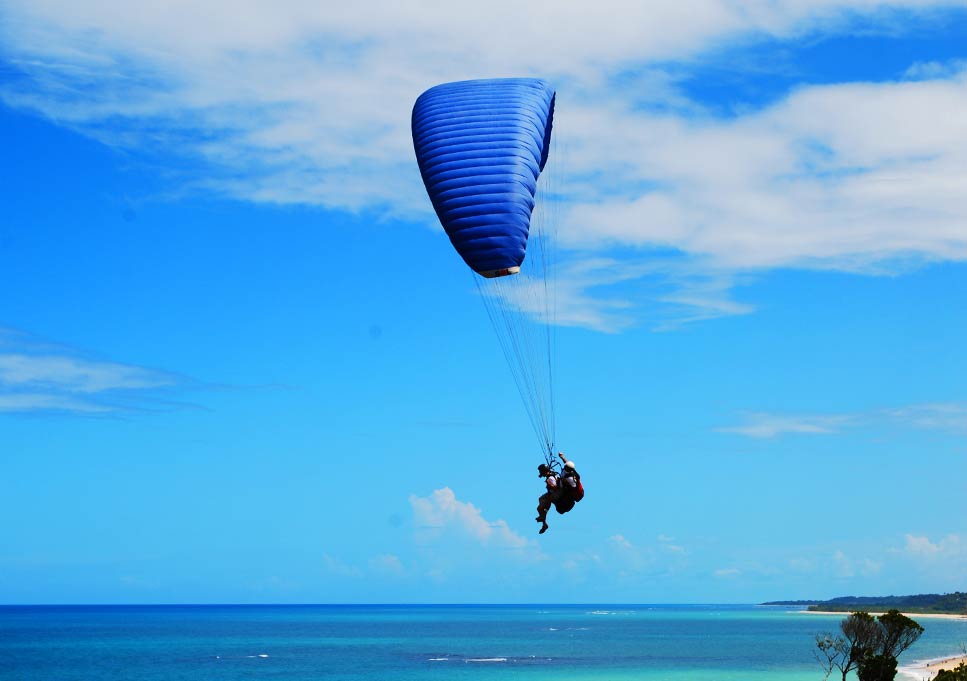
[455, 545]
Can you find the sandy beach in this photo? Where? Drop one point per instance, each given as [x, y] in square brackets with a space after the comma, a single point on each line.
[911, 615]
[927, 669]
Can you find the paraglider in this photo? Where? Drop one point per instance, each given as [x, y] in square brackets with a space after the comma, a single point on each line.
[564, 489]
[481, 146]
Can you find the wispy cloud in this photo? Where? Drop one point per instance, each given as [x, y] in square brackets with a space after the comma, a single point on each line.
[340, 568]
[77, 376]
[670, 545]
[624, 558]
[386, 564]
[943, 416]
[933, 70]
[38, 377]
[297, 103]
[725, 573]
[577, 293]
[628, 559]
[940, 416]
[38, 402]
[762, 425]
[612, 294]
[382, 566]
[622, 543]
[847, 567]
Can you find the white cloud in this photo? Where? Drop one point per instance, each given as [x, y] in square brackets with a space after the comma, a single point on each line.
[948, 547]
[380, 566]
[933, 70]
[38, 402]
[850, 177]
[950, 416]
[442, 513]
[760, 425]
[386, 564]
[38, 377]
[576, 563]
[308, 102]
[921, 546]
[843, 565]
[671, 292]
[622, 543]
[576, 290]
[667, 544]
[940, 562]
[340, 568]
[628, 559]
[75, 375]
[727, 572]
[454, 543]
[624, 559]
[846, 567]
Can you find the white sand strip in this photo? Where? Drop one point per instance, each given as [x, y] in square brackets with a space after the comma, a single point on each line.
[925, 670]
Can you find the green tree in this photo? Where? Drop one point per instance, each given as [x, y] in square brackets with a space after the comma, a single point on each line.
[876, 668]
[868, 645]
[843, 653]
[895, 633]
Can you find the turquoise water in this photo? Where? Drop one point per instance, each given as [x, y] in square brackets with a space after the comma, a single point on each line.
[296, 643]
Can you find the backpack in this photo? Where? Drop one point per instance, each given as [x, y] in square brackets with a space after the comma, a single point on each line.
[578, 492]
[572, 487]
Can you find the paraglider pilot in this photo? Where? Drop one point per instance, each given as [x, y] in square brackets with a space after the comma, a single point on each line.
[553, 484]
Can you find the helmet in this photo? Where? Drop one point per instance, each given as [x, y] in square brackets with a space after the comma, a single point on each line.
[543, 469]
[569, 464]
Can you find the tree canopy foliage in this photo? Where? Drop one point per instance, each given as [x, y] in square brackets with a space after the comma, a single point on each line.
[869, 645]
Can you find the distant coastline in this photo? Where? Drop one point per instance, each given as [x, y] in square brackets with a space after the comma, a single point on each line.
[924, 605]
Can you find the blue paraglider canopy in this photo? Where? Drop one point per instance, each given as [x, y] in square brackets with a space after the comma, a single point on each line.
[481, 145]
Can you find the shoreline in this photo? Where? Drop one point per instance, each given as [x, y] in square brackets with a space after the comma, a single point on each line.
[912, 615]
[925, 670]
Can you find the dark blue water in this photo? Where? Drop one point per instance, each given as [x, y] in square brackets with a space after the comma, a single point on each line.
[296, 643]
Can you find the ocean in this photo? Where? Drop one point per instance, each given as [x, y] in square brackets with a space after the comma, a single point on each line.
[408, 642]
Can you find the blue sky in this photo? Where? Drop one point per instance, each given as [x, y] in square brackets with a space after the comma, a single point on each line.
[239, 361]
